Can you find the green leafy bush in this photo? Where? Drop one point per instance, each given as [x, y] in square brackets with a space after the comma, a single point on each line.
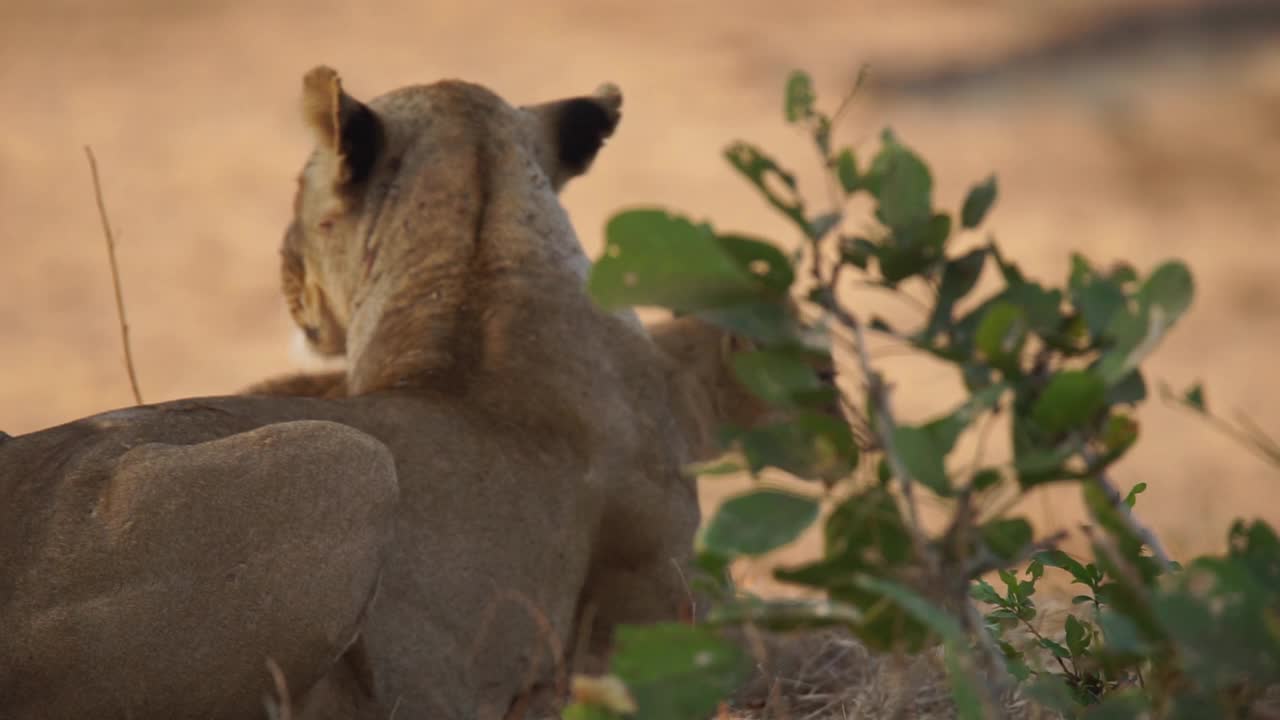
[1061, 363]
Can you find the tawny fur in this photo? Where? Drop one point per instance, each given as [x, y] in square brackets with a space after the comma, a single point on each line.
[157, 556]
[494, 482]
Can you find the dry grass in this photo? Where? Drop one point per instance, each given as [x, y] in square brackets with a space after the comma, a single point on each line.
[829, 675]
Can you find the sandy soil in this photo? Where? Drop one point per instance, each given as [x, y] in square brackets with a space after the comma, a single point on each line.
[1144, 152]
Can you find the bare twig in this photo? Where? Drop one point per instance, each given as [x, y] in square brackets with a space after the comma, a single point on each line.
[845, 103]
[883, 426]
[996, 678]
[1148, 538]
[115, 274]
[1104, 545]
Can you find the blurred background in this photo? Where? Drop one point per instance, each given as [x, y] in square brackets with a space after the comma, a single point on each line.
[1130, 129]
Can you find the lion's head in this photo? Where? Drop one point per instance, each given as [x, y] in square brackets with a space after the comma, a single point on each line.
[408, 199]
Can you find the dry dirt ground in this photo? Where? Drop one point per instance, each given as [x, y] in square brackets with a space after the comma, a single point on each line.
[1141, 147]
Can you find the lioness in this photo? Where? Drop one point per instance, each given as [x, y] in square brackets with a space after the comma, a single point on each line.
[153, 557]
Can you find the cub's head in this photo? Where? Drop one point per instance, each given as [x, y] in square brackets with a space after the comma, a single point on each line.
[405, 195]
[703, 354]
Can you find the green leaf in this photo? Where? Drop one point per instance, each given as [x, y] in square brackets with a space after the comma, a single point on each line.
[771, 322]
[1256, 546]
[809, 445]
[867, 531]
[1130, 390]
[799, 98]
[1194, 398]
[1056, 648]
[1063, 561]
[713, 570]
[986, 478]
[762, 260]
[918, 450]
[1077, 636]
[776, 184]
[1097, 298]
[1162, 299]
[822, 224]
[675, 671]
[982, 591]
[1038, 459]
[652, 258]
[1121, 634]
[1002, 334]
[1009, 270]
[1132, 497]
[781, 378]
[1015, 663]
[1043, 307]
[1221, 612]
[976, 204]
[1070, 400]
[1118, 435]
[959, 277]
[914, 249]
[901, 183]
[1170, 288]
[1006, 537]
[885, 625]
[857, 251]
[1111, 520]
[758, 522]
[847, 171]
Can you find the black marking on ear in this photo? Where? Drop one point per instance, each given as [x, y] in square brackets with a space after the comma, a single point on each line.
[361, 142]
[583, 125]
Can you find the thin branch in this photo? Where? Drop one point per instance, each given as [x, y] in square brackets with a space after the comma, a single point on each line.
[996, 676]
[984, 433]
[847, 101]
[1061, 663]
[898, 293]
[1261, 440]
[1116, 500]
[982, 567]
[115, 274]
[883, 425]
[1258, 442]
[833, 186]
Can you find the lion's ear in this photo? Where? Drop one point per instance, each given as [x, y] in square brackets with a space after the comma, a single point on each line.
[571, 132]
[348, 134]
